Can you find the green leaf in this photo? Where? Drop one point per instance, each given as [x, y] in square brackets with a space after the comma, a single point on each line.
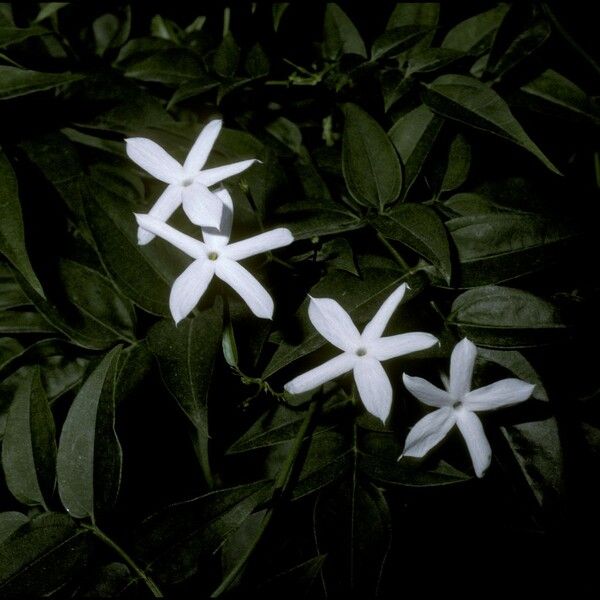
[97, 300]
[502, 317]
[186, 354]
[172, 67]
[413, 136]
[278, 9]
[11, 295]
[475, 34]
[16, 82]
[352, 526]
[459, 163]
[47, 9]
[140, 272]
[556, 95]
[397, 40]
[257, 62]
[174, 542]
[299, 578]
[10, 521]
[29, 446]
[287, 133]
[471, 102]
[14, 321]
[89, 454]
[360, 297]
[414, 13]
[431, 59]
[41, 556]
[500, 246]
[370, 164]
[191, 89]
[12, 236]
[14, 35]
[340, 36]
[422, 230]
[114, 580]
[228, 345]
[227, 57]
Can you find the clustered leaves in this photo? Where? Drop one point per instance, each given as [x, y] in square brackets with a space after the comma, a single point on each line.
[449, 148]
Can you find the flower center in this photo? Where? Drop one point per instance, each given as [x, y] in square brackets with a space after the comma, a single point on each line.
[457, 404]
[187, 182]
[361, 352]
[213, 255]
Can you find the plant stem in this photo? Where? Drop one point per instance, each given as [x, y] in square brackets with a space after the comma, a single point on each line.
[393, 252]
[154, 589]
[279, 488]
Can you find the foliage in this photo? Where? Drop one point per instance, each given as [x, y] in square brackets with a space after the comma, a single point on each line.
[450, 146]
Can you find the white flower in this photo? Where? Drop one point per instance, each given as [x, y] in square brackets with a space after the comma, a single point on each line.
[363, 353]
[216, 256]
[188, 183]
[457, 405]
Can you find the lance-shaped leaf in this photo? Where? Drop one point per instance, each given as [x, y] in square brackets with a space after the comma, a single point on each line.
[186, 354]
[174, 542]
[89, 453]
[18, 321]
[502, 317]
[422, 230]
[340, 36]
[474, 35]
[16, 82]
[353, 527]
[12, 236]
[41, 556]
[14, 35]
[469, 101]
[29, 446]
[10, 521]
[369, 162]
[394, 41]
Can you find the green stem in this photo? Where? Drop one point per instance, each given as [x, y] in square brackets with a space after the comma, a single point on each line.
[154, 589]
[569, 38]
[279, 489]
[393, 252]
[226, 19]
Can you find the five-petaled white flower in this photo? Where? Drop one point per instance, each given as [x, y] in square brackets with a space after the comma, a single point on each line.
[363, 353]
[188, 183]
[457, 405]
[216, 256]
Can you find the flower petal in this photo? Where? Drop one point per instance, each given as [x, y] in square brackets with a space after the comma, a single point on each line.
[163, 208]
[276, 238]
[462, 362]
[219, 237]
[189, 287]
[209, 177]
[153, 159]
[376, 326]
[202, 146]
[202, 206]
[501, 393]
[247, 286]
[333, 323]
[479, 448]
[185, 243]
[428, 432]
[401, 344]
[373, 386]
[426, 392]
[322, 374]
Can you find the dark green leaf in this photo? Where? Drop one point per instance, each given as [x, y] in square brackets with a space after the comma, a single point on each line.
[299, 578]
[309, 219]
[501, 317]
[16, 82]
[11, 295]
[468, 204]
[191, 90]
[459, 163]
[12, 236]
[110, 581]
[257, 62]
[278, 9]
[48, 9]
[14, 321]
[431, 59]
[413, 136]
[353, 527]
[496, 246]
[229, 346]
[29, 446]
[89, 454]
[171, 67]
[360, 297]
[287, 133]
[370, 164]
[340, 36]
[41, 556]
[227, 57]
[471, 102]
[414, 13]
[420, 228]
[14, 35]
[476, 33]
[397, 40]
[10, 521]
[174, 542]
